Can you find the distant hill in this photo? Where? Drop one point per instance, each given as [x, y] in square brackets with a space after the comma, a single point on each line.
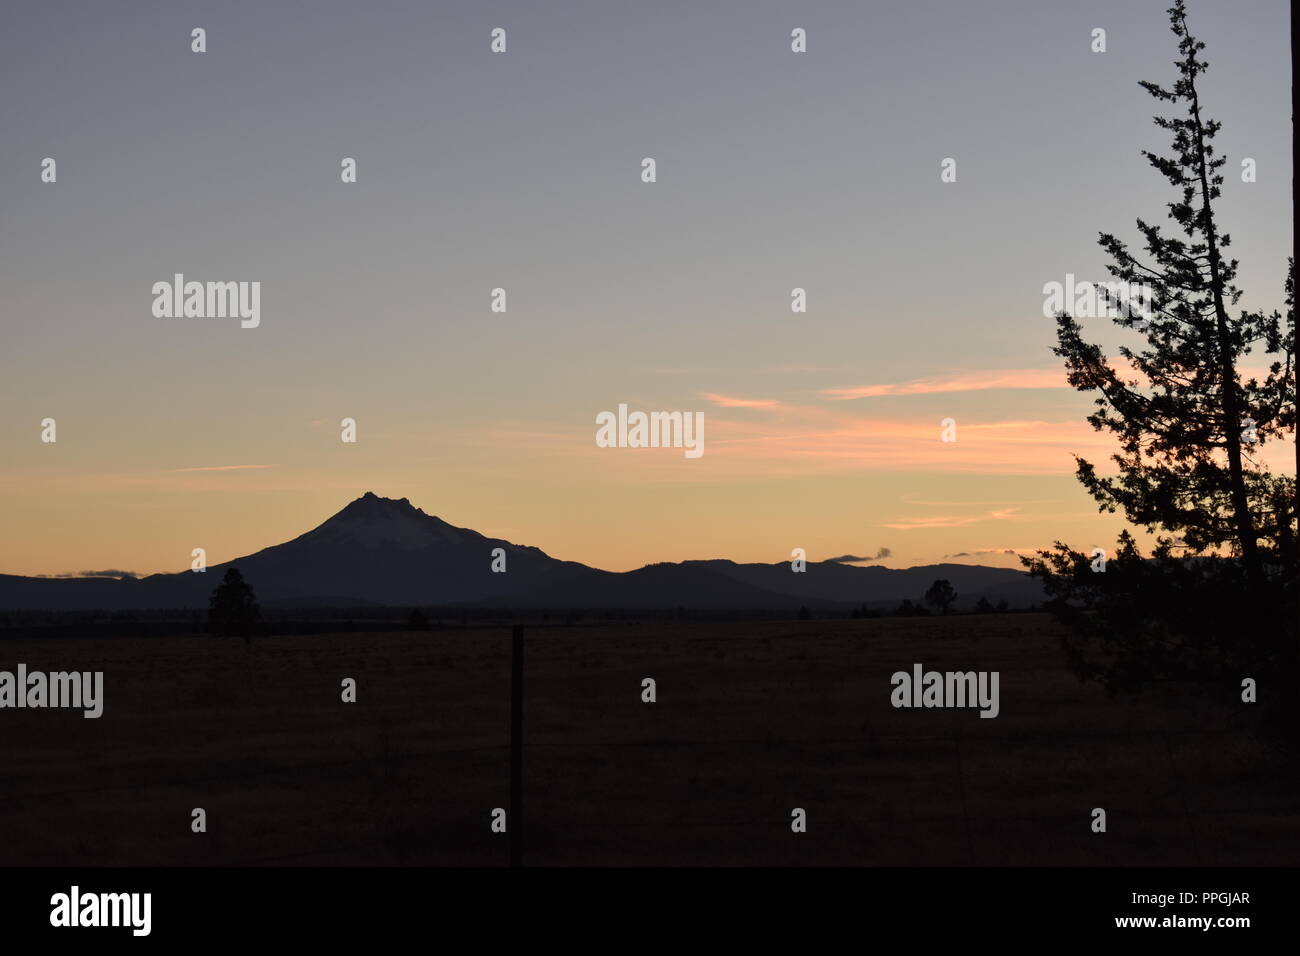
[832, 581]
[385, 551]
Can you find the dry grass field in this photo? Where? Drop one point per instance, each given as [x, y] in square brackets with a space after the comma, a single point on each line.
[752, 720]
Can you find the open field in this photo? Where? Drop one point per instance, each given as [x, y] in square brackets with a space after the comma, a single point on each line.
[752, 720]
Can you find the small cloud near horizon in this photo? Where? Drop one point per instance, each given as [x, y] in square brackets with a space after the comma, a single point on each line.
[860, 559]
[111, 573]
[983, 551]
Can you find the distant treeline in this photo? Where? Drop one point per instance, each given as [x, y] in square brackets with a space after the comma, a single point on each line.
[171, 622]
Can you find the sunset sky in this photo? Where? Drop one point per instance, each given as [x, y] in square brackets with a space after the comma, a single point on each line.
[775, 170]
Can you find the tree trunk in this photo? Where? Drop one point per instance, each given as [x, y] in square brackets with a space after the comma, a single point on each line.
[1227, 369]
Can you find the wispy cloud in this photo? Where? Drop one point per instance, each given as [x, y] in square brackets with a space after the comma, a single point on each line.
[953, 521]
[177, 471]
[963, 382]
[728, 401]
[789, 439]
[989, 379]
[806, 440]
[802, 440]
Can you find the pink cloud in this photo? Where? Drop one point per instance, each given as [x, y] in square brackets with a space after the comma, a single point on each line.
[808, 439]
[987, 379]
[953, 521]
[727, 401]
[963, 382]
[800, 440]
[177, 471]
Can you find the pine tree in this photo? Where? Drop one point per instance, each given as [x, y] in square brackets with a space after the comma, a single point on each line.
[1189, 425]
[233, 609]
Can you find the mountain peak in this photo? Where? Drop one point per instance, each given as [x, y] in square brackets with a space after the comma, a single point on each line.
[373, 521]
[371, 503]
[370, 495]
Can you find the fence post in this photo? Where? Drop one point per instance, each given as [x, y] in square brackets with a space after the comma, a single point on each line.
[516, 745]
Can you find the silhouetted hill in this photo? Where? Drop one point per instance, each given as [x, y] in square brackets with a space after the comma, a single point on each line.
[655, 586]
[832, 581]
[386, 551]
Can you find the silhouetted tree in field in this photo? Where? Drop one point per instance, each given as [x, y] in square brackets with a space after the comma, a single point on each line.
[982, 606]
[417, 620]
[232, 609]
[908, 609]
[1216, 600]
[941, 595]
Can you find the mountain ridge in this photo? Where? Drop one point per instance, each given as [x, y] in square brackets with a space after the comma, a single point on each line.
[386, 551]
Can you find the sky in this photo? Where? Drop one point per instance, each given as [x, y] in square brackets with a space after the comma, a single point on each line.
[523, 171]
